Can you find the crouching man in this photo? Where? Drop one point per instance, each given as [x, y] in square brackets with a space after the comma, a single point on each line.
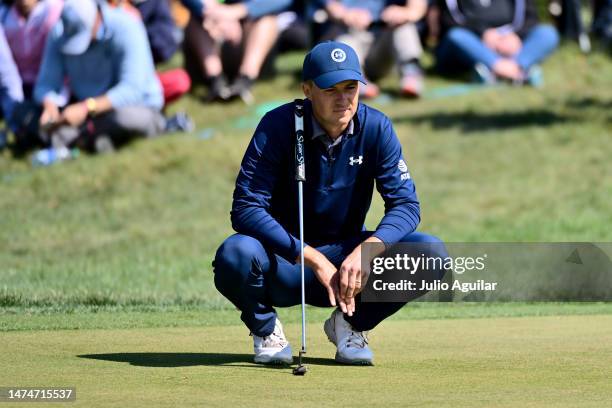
[349, 147]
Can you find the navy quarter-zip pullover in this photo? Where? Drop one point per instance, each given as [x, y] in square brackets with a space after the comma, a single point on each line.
[338, 188]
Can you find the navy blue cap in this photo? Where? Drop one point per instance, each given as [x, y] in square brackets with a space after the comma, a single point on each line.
[331, 62]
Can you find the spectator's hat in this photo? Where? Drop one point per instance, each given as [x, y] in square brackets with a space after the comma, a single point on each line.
[78, 19]
[331, 62]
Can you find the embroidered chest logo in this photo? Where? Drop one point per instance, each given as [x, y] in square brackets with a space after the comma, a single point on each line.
[353, 161]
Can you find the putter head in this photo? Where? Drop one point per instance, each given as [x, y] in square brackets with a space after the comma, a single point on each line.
[300, 370]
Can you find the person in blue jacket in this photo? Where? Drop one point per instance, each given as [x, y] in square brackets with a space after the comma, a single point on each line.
[349, 147]
[104, 56]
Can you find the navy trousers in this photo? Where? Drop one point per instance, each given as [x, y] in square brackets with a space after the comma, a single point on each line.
[256, 280]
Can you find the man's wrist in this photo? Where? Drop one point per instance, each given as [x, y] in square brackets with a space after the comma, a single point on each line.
[48, 103]
[92, 106]
[313, 258]
[375, 247]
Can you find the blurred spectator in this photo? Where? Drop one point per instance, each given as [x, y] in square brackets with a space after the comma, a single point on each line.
[250, 27]
[381, 32]
[431, 26]
[180, 14]
[160, 26]
[26, 25]
[568, 18]
[501, 39]
[294, 31]
[105, 57]
[602, 22]
[125, 5]
[161, 31]
[11, 92]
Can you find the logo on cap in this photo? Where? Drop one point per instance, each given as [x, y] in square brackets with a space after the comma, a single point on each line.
[338, 55]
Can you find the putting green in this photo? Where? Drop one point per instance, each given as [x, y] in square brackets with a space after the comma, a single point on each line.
[553, 361]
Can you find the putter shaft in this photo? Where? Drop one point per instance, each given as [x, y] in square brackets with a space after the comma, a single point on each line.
[301, 211]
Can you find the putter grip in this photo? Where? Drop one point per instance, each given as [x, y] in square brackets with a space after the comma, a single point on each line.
[300, 166]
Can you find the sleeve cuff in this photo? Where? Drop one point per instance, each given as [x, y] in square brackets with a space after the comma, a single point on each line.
[56, 98]
[385, 236]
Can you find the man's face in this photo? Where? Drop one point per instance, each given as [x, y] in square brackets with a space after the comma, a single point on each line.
[333, 106]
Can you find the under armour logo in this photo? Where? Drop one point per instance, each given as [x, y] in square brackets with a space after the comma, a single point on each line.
[353, 161]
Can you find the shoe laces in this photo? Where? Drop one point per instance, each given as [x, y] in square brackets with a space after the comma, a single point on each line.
[357, 339]
[274, 339]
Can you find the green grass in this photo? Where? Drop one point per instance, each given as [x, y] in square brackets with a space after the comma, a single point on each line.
[154, 316]
[492, 362]
[139, 228]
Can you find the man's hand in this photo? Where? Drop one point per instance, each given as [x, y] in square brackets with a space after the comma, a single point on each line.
[490, 38]
[50, 115]
[75, 114]
[507, 68]
[336, 10]
[213, 28]
[231, 30]
[352, 277]
[222, 21]
[509, 44]
[223, 29]
[394, 15]
[358, 18]
[326, 273]
[351, 17]
[236, 11]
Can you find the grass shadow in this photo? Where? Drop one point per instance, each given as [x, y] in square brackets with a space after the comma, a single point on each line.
[194, 359]
[471, 121]
[589, 102]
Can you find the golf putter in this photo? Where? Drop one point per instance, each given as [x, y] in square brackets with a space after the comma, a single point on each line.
[300, 177]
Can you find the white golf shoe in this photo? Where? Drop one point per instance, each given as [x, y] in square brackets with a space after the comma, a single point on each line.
[352, 346]
[273, 349]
